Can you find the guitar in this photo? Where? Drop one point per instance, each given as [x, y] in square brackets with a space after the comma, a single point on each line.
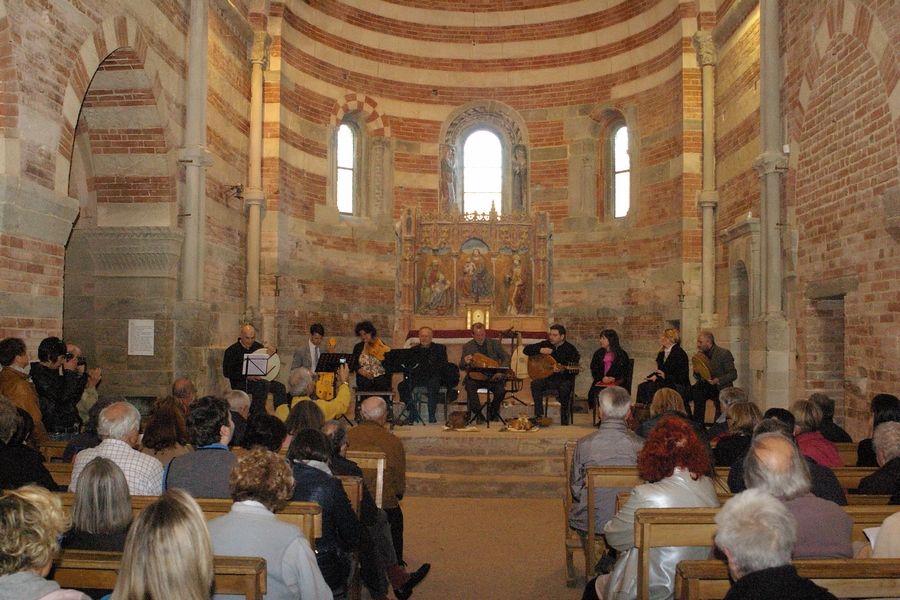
[325, 382]
[519, 361]
[541, 366]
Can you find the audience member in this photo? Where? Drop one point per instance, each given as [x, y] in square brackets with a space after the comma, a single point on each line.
[118, 426]
[742, 418]
[613, 444]
[884, 407]
[808, 419]
[302, 385]
[679, 471]
[89, 438]
[775, 465]
[186, 392]
[831, 431]
[16, 385]
[239, 404]
[265, 430]
[101, 509]
[31, 523]
[665, 402]
[727, 397]
[167, 553]
[89, 396]
[886, 480]
[261, 483]
[165, 433]
[887, 544]
[371, 436]
[825, 483]
[376, 525]
[59, 394]
[19, 464]
[310, 455]
[757, 534]
[304, 415]
[205, 472]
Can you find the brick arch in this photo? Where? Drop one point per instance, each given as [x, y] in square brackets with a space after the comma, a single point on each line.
[377, 125]
[110, 35]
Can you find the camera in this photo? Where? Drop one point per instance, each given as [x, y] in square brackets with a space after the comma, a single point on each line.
[69, 356]
[82, 361]
[343, 361]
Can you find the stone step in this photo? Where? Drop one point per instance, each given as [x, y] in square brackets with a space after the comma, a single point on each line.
[483, 486]
[524, 466]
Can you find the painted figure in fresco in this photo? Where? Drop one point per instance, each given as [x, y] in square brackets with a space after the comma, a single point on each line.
[448, 175]
[520, 178]
[516, 288]
[476, 280]
[434, 293]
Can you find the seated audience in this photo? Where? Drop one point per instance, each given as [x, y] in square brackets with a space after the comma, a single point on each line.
[775, 465]
[612, 444]
[15, 384]
[742, 418]
[825, 483]
[808, 419]
[757, 534]
[376, 534]
[118, 426]
[165, 432]
[239, 403]
[304, 415]
[679, 471]
[31, 522]
[884, 407]
[186, 392]
[58, 392]
[302, 385]
[886, 443]
[831, 431]
[310, 455]
[205, 472]
[264, 430]
[89, 438]
[665, 402]
[19, 463]
[727, 398]
[261, 483]
[167, 553]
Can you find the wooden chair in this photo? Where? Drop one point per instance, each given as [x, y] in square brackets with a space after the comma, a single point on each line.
[81, 569]
[371, 461]
[573, 542]
[53, 451]
[849, 578]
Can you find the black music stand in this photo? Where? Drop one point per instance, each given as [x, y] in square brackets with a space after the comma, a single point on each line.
[489, 372]
[330, 362]
[517, 383]
[405, 361]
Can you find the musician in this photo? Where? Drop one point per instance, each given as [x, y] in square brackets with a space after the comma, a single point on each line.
[492, 349]
[257, 387]
[722, 374]
[369, 353]
[426, 374]
[610, 366]
[308, 356]
[562, 380]
[671, 369]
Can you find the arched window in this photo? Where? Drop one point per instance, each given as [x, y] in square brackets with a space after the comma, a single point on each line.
[620, 171]
[482, 172]
[346, 169]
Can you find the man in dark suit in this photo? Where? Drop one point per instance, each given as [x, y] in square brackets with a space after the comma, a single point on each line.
[563, 379]
[722, 374]
[426, 372]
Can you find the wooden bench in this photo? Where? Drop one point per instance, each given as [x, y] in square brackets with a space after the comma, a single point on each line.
[61, 473]
[80, 569]
[847, 450]
[848, 578]
[53, 451]
[662, 527]
[305, 515]
[852, 499]
[353, 486]
[371, 461]
[849, 476]
[573, 542]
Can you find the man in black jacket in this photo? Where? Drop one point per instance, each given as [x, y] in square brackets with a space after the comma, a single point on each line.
[59, 394]
[562, 380]
[426, 372]
[256, 387]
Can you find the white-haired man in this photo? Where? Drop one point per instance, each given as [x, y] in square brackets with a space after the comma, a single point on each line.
[727, 398]
[371, 436]
[757, 533]
[886, 443]
[612, 445]
[775, 465]
[118, 428]
[239, 405]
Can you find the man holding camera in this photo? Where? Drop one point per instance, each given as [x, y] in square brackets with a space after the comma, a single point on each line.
[89, 396]
[59, 393]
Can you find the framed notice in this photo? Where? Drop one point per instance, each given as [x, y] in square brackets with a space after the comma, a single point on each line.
[140, 337]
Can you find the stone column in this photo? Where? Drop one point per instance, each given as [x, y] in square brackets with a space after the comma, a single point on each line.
[709, 197]
[254, 196]
[194, 156]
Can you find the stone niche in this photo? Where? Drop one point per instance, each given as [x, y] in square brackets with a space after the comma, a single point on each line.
[454, 266]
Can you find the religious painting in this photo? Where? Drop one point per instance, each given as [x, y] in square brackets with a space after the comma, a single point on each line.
[514, 282]
[435, 293]
[475, 274]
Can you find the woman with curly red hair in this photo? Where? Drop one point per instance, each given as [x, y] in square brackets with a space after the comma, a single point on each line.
[679, 472]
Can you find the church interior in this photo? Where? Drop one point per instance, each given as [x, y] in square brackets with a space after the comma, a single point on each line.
[721, 165]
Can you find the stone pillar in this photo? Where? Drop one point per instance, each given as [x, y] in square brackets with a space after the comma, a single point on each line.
[254, 196]
[709, 198]
[194, 155]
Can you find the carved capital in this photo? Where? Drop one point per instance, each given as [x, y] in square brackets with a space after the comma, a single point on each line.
[255, 197]
[708, 199]
[705, 48]
[259, 53]
[134, 251]
[770, 162]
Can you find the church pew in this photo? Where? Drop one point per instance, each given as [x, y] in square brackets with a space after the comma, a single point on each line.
[849, 476]
[847, 450]
[852, 499]
[81, 569]
[305, 515]
[353, 487]
[847, 578]
[61, 473]
[573, 542]
[661, 527]
[53, 451]
[371, 461]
